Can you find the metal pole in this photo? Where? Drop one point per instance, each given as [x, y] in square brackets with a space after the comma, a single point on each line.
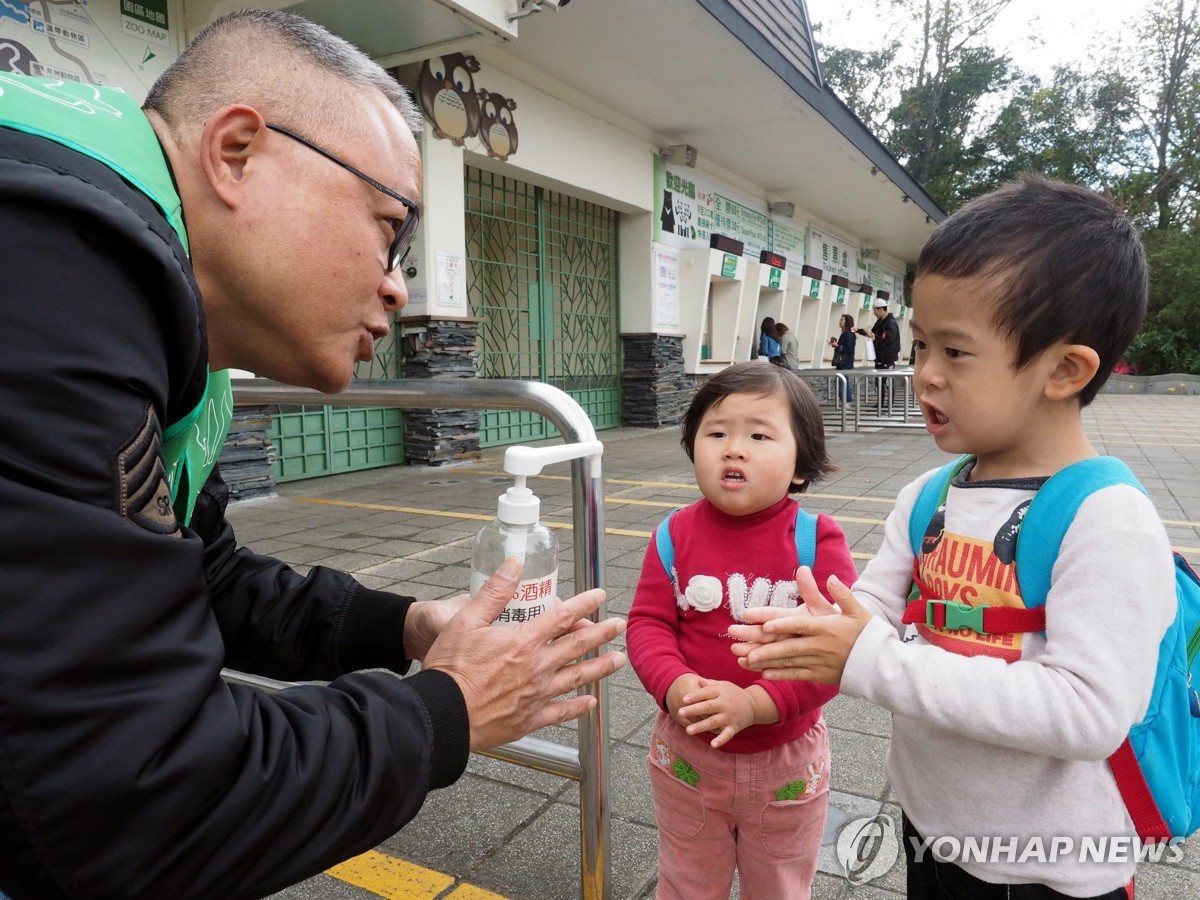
[589, 763]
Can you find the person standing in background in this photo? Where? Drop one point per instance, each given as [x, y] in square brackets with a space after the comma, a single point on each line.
[844, 346]
[789, 346]
[885, 334]
[768, 343]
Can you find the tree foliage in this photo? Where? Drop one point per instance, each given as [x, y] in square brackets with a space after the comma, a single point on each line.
[963, 119]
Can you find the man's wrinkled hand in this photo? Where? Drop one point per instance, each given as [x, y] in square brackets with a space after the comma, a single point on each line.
[425, 620]
[514, 679]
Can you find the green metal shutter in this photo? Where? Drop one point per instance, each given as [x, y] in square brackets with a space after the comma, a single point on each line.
[542, 280]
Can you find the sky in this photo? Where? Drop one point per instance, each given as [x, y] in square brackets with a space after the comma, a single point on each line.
[1037, 34]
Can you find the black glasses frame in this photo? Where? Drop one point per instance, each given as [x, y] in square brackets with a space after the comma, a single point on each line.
[405, 231]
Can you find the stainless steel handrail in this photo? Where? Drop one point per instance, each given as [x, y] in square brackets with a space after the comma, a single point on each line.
[886, 414]
[587, 764]
[885, 409]
[838, 377]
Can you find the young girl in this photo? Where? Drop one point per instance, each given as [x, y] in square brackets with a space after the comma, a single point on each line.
[843, 354]
[739, 766]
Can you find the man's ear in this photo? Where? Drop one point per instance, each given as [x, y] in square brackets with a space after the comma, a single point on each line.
[1075, 365]
[229, 140]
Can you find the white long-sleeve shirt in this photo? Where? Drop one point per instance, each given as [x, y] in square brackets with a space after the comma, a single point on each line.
[1008, 736]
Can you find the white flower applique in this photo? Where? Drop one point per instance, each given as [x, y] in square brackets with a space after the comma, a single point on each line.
[703, 593]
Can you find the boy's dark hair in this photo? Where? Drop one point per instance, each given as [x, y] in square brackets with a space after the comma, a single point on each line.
[812, 461]
[1069, 266]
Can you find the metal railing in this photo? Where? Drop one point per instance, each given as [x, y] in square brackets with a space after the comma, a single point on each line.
[587, 763]
[883, 398]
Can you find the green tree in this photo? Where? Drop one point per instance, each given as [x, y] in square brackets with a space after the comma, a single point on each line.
[1169, 342]
[924, 91]
[963, 119]
[1162, 68]
[1073, 129]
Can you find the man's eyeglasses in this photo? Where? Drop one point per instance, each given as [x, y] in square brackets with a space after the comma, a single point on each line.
[405, 230]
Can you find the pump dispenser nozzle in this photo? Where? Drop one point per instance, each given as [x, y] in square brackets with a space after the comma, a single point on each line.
[518, 505]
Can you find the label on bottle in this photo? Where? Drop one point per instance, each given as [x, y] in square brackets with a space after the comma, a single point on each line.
[529, 600]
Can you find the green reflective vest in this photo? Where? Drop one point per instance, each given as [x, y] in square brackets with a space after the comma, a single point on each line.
[107, 125]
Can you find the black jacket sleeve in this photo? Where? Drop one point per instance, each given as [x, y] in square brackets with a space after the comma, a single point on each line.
[128, 768]
[277, 623]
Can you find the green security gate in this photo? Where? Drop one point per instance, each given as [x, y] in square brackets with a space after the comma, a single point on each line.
[542, 280]
[311, 441]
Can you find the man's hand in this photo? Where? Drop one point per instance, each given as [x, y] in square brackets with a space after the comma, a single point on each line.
[726, 708]
[802, 646]
[511, 676]
[425, 620]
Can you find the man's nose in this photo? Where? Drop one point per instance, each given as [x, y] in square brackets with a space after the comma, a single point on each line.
[393, 290]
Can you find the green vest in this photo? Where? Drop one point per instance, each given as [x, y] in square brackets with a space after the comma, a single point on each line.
[107, 125]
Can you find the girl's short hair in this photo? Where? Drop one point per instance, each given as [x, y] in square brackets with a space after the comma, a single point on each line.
[808, 428]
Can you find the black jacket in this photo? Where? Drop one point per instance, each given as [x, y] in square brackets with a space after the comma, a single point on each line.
[128, 767]
[886, 334]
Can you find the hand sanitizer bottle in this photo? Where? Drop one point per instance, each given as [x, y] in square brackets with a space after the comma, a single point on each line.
[517, 532]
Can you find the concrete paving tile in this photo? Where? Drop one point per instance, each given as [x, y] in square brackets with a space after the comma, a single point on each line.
[459, 826]
[851, 714]
[542, 861]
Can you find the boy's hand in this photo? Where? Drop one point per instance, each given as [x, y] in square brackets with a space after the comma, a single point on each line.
[814, 604]
[810, 646]
[726, 708]
[679, 688]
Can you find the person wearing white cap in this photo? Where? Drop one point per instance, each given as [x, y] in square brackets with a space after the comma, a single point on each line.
[885, 334]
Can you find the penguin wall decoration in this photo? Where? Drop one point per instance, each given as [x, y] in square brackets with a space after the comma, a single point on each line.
[446, 90]
[497, 129]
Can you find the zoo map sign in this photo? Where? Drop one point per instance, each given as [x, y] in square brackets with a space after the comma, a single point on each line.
[119, 43]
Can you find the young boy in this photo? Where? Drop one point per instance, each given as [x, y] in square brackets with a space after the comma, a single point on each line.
[1023, 302]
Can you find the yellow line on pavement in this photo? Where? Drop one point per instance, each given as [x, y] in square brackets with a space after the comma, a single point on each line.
[392, 878]
[470, 892]
[623, 532]
[692, 486]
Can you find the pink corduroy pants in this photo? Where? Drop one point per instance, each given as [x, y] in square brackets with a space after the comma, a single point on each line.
[761, 813]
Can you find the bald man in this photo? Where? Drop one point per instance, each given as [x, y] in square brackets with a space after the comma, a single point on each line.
[253, 215]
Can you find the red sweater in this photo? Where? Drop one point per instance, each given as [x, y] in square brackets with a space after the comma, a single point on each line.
[725, 563]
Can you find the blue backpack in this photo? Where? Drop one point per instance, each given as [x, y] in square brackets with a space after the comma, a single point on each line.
[1157, 767]
[806, 541]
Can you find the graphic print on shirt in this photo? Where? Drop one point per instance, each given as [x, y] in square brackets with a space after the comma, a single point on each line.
[705, 593]
[972, 571]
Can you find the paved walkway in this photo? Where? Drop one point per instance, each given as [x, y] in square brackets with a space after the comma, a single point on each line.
[511, 832]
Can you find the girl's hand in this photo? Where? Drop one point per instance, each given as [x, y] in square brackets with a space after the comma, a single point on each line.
[675, 694]
[726, 708]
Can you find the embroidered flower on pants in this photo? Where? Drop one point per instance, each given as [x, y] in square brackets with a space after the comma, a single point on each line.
[703, 593]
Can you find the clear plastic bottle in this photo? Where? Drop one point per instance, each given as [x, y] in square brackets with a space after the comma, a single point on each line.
[517, 532]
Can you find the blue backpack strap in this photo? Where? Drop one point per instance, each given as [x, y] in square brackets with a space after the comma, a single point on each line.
[806, 540]
[666, 547]
[806, 537]
[1050, 515]
[932, 495]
